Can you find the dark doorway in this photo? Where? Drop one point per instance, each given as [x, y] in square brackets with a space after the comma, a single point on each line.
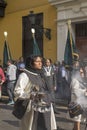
[81, 39]
[27, 40]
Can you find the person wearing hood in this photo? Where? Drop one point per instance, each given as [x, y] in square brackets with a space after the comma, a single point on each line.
[39, 114]
[78, 91]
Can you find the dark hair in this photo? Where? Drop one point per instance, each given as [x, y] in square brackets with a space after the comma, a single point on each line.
[48, 59]
[30, 61]
[11, 61]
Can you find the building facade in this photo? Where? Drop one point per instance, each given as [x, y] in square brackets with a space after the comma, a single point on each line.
[12, 22]
[76, 11]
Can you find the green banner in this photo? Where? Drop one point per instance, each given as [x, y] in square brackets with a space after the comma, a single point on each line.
[6, 54]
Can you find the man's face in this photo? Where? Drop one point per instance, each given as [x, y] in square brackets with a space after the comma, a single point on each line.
[48, 63]
[8, 63]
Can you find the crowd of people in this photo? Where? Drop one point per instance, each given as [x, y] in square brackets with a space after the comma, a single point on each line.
[9, 76]
[51, 79]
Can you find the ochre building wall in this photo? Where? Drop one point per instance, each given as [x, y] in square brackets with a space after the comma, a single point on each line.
[12, 23]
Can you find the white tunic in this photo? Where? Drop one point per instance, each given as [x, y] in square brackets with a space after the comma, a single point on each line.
[19, 92]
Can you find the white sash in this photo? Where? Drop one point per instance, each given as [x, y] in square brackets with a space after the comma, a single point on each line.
[48, 71]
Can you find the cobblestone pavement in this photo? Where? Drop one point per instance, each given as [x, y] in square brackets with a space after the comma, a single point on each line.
[9, 122]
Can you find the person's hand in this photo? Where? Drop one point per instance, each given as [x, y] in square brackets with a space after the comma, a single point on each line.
[41, 95]
[86, 92]
[32, 96]
[55, 88]
[1, 82]
[36, 88]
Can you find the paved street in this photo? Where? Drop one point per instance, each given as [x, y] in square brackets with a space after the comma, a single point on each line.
[64, 122]
[9, 122]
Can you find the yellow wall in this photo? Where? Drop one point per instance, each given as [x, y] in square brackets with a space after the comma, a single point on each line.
[12, 23]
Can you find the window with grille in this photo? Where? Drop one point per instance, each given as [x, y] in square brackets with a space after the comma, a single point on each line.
[81, 30]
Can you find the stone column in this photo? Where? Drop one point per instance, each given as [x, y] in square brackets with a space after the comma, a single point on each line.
[61, 39]
[74, 10]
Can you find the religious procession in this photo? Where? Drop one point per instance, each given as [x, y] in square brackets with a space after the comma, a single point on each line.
[35, 85]
[43, 65]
